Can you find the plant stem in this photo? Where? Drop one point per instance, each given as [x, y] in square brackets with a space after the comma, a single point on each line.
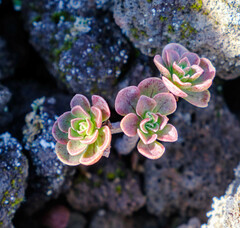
[126, 144]
[115, 127]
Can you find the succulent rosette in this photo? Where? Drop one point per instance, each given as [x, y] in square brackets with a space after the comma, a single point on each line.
[80, 136]
[145, 108]
[185, 74]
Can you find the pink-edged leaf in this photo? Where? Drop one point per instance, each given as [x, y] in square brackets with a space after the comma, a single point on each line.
[145, 104]
[160, 65]
[90, 139]
[58, 135]
[80, 100]
[152, 86]
[97, 116]
[152, 116]
[199, 99]
[178, 70]
[169, 56]
[76, 147]
[74, 135]
[90, 127]
[166, 103]
[146, 138]
[152, 151]
[168, 134]
[197, 72]
[64, 121]
[65, 157]
[162, 121]
[179, 83]
[192, 58]
[173, 88]
[176, 47]
[100, 103]
[184, 63]
[75, 123]
[92, 155]
[79, 112]
[104, 138]
[129, 124]
[209, 71]
[142, 125]
[201, 86]
[126, 100]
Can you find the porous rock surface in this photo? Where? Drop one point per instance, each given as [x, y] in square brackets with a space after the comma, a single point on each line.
[207, 27]
[83, 49]
[48, 175]
[14, 172]
[111, 185]
[196, 167]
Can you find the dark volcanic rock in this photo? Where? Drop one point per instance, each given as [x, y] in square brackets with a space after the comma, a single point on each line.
[112, 185]
[209, 28]
[198, 166]
[14, 171]
[48, 175]
[5, 96]
[83, 48]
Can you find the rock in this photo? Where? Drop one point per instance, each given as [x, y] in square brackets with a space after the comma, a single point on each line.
[209, 28]
[5, 116]
[76, 220]
[193, 223]
[82, 48]
[196, 167]
[6, 60]
[225, 210]
[14, 171]
[48, 176]
[111, 184]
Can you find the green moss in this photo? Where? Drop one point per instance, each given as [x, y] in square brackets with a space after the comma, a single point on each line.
[13, 183]
[57, 15]
[118, 189]
[186, 30]
[100, 172]
[181, 8]
[111, 176]
[149, 1]
[97, 184]
[153, 51]
[120, 173]
[97, 47]
[170, 29]
[134, 33]
[37, 18]
[66, 46]
[197, 5]
[89, 63]
[162, 19]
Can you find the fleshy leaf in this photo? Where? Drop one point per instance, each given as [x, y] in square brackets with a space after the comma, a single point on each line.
[142, 125]
[80, 100]
[97, 116]
[145, 104]
[91, 155]
[178, 70]
[58, 135]
[200, 86]
[75, 147]
[65, 157]
[90, 139]
[100, 103]
[168, 134]
[199, 99]
[162, 121]
[173, 88]
[129, 124]
[75, 123]
[176, 47]
[126, 100]
[152, 86]
[152, 151]
[169, 56]
[64, 121]
[166, 103]
[184, 63]
[146, 138]
[90, 127]
[104, 138]
[209, 70]
[179, 83]
[197, 71]
[160, 65]
[192, 58]
[79, 112]
[74, 135]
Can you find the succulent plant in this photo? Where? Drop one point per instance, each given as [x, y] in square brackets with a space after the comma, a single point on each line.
[145, 108]
[81, 137]
[185, 74]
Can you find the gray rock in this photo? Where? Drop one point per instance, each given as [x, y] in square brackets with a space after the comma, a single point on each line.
[209, 28]
[82, 48]
[196, 167]
[14, 171]
[114, 186]
[48, 176]
[5, 96]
